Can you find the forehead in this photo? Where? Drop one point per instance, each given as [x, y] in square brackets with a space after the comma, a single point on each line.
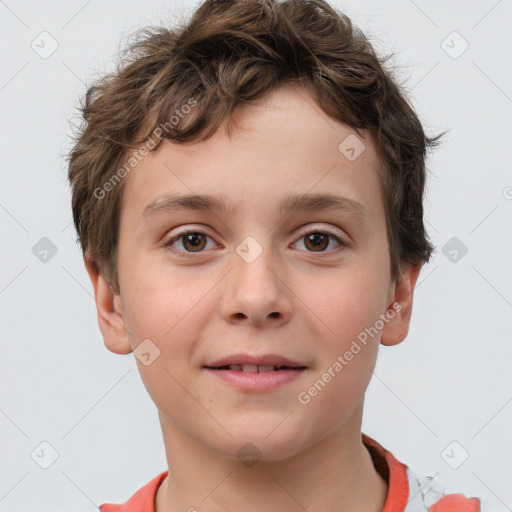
[281, 146]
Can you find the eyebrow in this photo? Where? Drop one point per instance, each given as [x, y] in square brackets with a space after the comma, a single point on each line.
[290, 203]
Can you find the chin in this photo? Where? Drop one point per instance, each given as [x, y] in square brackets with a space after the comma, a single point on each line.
[269, 439]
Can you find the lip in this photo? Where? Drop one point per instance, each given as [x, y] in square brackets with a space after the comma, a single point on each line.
[264, 359]
[256, 382]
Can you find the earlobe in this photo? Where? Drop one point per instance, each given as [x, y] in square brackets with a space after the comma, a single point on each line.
[397, 327]
[111, 319]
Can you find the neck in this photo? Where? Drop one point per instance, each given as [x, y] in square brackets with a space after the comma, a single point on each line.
[315, 480]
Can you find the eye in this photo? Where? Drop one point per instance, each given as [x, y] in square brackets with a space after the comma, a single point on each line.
[191, 241]
[318, 240]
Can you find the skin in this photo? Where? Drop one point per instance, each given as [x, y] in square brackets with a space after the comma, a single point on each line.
[304, 304]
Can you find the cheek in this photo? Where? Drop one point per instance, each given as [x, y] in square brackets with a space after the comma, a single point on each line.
[163, 307]
[346, 309]
[167, 316]
[346, 357]
[344, 304]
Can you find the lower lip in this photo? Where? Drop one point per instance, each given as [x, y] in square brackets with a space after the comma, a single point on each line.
[257, 382]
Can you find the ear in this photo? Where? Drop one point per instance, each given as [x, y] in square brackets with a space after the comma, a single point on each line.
[395, 330]
[110, 312]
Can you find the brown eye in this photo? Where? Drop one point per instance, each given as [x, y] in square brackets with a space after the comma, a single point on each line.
[191, 242]
[318, 241]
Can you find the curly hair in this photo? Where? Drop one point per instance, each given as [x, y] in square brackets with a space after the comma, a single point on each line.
[190, 78]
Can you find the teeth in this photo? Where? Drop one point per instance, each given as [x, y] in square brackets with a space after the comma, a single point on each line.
[252, 368]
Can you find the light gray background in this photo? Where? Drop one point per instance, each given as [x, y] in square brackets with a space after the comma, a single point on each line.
[449, 381]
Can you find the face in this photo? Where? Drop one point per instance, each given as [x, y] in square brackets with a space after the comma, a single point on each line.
[257, 278]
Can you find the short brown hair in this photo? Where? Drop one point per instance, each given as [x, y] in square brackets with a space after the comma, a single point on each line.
[232, 52]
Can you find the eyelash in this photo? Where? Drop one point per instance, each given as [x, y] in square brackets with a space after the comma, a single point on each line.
[181, 254]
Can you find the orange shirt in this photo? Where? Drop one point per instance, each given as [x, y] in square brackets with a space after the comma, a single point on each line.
[396, 474]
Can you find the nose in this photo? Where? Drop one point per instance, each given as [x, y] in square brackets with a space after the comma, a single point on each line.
[256, 292]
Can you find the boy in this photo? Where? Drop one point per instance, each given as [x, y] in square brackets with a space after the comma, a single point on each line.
[247, 191]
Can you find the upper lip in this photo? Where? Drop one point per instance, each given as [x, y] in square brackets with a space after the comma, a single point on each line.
[262, 360]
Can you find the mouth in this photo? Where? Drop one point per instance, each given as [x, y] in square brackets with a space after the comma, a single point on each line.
[254, 363]
[255, 374]
[255, 368]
